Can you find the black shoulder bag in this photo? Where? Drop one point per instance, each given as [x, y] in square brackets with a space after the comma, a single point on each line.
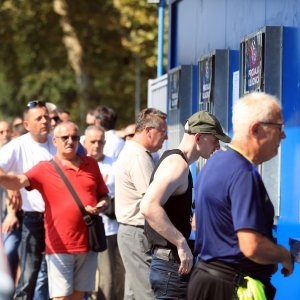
[97, 238]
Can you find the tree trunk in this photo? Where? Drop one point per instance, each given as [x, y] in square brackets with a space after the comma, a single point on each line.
[75, 54]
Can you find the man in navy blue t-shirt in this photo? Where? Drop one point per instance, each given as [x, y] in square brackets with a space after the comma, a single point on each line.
[234, 215]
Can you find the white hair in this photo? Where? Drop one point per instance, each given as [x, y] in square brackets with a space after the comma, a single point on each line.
[252, 108]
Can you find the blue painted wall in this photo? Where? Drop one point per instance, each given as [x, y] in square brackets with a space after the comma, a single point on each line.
[198, 27]
[201, 26]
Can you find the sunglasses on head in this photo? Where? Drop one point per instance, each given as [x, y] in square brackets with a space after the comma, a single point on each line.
[36, 103]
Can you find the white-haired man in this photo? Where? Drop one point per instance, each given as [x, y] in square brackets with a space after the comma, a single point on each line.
[234, 215]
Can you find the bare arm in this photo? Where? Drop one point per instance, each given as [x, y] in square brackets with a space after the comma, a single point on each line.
[14, 200]
[170, 178]
[13, 182]
[11, 220]
[263, 251]
[194, 222]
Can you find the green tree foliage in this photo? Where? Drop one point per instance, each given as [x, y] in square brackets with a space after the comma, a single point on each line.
[35, 61]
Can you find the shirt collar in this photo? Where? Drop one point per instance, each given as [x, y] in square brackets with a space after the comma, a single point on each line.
[240, 152]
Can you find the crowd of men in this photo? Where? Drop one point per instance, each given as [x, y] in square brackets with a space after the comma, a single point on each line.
[146, 206]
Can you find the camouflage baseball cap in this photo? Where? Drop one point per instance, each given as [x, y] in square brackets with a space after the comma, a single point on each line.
[205, 122]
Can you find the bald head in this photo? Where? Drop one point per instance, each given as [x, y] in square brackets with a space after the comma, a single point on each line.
[94, 141]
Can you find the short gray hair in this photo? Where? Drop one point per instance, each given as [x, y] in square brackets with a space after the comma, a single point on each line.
[253, 107]
[94, 127]
[149, 117]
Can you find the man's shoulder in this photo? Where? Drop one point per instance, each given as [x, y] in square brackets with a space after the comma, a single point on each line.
[227, 159]
[108, 160]
[173, 166]
[16, 143]
[229, 156]
[132, 148]
[112, 137]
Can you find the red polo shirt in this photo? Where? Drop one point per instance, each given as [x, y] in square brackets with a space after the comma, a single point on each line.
[66, 231]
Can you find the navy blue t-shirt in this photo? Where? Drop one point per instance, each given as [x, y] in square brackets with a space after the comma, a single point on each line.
[230, 195]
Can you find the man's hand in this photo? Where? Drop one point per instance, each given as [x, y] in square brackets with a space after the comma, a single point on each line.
[186, 259]
[288, 265]
[100, 207]
[10, 223]
[14, 199]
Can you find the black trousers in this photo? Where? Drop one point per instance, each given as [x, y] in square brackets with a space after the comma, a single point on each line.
[204, 286]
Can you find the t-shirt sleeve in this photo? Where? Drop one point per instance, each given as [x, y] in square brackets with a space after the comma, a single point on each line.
[247, 203]
[102, 188]
[8, 157]
[34, 175]
[141, 170]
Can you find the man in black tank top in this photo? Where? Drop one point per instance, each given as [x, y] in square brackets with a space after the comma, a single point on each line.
[167, 206]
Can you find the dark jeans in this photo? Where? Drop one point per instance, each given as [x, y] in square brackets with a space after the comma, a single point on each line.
[165, 280]
[31, 257]
[11, 243]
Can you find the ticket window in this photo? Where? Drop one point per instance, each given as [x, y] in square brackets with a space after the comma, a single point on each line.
[215, 73]
[180, 94]
[260, 70]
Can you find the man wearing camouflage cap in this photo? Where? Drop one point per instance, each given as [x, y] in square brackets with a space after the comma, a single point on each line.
[167, 205]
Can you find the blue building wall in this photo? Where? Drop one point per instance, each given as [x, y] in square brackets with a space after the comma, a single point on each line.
[198, 27]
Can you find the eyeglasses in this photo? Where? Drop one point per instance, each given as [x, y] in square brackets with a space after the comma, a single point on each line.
[56, 119]
[65, 138]
[280, 126]
[36, 103]
[130, 135]
[162, 130]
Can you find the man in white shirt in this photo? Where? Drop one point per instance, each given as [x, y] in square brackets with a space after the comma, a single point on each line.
[106, 117]
[18, 156]
[110, 265]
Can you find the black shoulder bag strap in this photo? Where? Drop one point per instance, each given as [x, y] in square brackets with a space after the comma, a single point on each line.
[86, 217]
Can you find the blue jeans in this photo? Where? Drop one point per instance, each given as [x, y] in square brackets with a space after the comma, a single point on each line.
[11, 243]
[31, 257]
[165, 280]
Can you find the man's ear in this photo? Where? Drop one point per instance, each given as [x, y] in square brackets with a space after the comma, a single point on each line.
[198, 137]
[26, 125]
[254, 129]
[54, 141]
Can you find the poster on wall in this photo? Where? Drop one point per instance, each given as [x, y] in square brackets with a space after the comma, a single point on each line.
[253, 64]
[205, 76]
[174, 90]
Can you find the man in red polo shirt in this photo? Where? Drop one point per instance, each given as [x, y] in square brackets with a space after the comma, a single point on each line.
[71, 266]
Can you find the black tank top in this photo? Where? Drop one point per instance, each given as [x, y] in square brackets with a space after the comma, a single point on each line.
[177, 208]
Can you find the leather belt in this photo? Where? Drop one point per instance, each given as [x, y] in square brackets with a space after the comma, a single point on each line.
[236, 278]
[33, 214]
[137, 226]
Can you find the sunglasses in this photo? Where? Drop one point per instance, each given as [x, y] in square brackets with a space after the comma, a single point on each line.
[36, 103]
[56, 119]
[131, 135]
[65, 138]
